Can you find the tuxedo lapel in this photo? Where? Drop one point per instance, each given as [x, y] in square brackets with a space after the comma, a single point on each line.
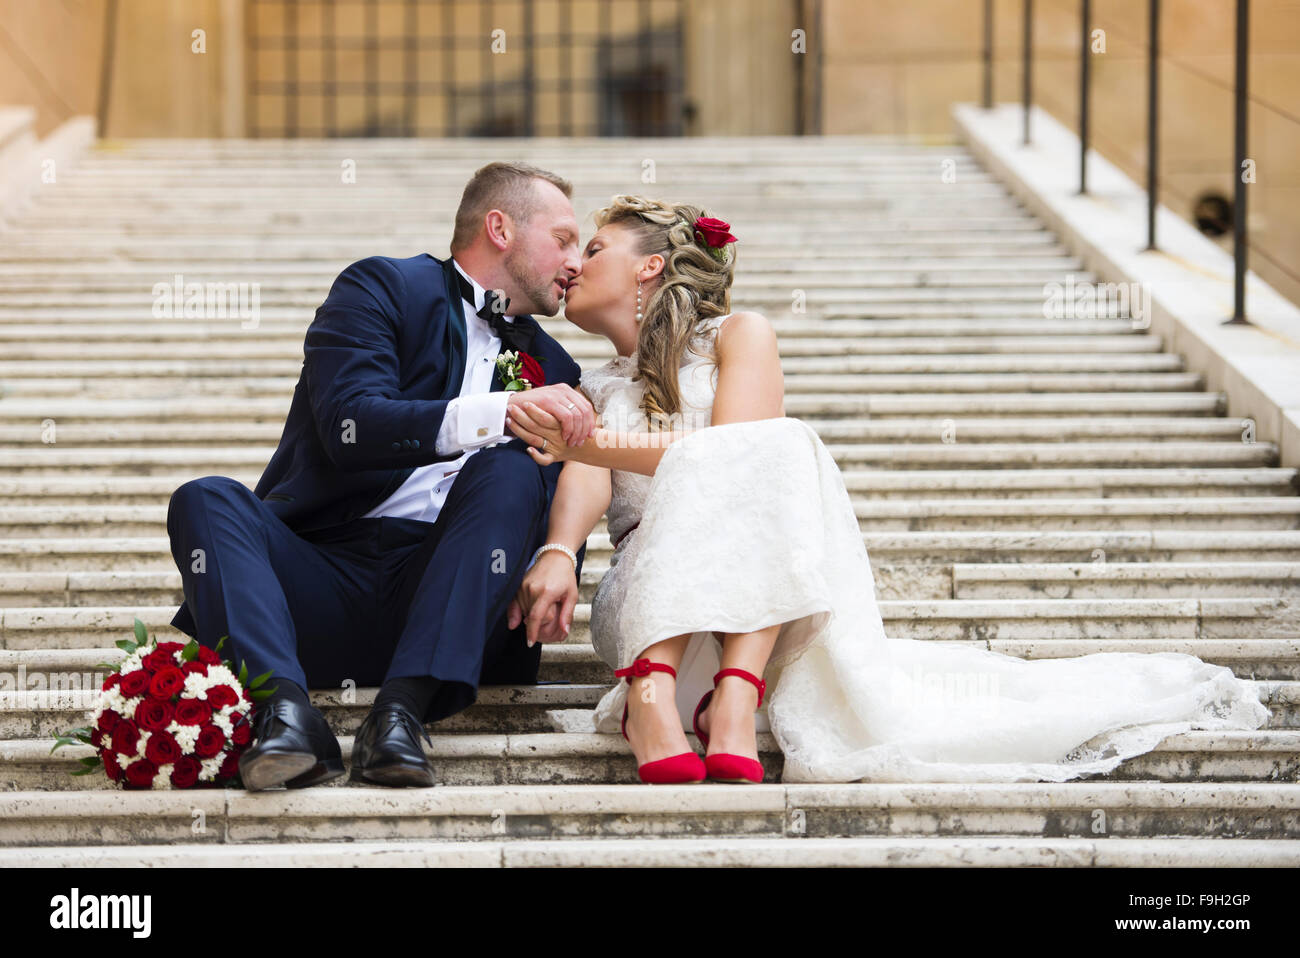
[457, 336]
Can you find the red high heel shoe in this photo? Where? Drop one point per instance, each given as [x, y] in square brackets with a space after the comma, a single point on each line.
[723, 766]
[680, 769]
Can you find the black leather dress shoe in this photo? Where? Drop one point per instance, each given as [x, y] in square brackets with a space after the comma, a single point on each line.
[387, 750]
[292, 746]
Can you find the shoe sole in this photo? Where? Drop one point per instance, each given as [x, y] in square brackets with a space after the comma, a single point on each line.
[318, 774]
[394, 776]
[270, 769]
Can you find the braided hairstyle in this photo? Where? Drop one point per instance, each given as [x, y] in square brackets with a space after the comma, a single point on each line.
[695, 284]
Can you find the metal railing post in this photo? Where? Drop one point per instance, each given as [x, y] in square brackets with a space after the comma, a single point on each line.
[1239, 160]
[1153, 119]
[1026, 69]
[1085, 63]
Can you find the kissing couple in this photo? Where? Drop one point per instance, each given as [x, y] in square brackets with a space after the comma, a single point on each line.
[423, 523]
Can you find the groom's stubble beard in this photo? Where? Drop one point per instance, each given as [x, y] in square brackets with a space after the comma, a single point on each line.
[538, 291]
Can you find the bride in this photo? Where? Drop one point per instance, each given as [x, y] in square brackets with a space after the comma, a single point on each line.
[739, 578]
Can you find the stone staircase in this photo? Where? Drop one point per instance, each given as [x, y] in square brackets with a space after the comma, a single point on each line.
[1041, 487]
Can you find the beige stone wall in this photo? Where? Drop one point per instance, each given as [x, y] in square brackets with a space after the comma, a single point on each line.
[894, 66]
[50, 57]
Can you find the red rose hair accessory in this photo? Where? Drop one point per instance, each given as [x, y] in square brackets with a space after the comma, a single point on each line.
[714, 234]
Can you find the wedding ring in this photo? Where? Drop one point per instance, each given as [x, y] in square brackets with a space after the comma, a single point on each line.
[571, 406]
[544, 441]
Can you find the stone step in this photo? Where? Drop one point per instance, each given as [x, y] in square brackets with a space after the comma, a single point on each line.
[41, 705]
[161, 586]
[938, 549]
[1087, 580]
[849, 387]
[832, 369]
[83, 431]
[55, 458]
[709, 852]
[89, 342]
[952, 620]
[590, 758]
[1185, 484]
[797, 814]
[812, 407]
[311, 291]
[763, 263]
[1271, 660]
[1056, 514]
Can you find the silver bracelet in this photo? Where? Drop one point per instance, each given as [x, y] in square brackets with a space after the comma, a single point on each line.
[558, 547]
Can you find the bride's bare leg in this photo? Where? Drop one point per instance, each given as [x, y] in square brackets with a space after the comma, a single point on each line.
[729, 719]
[654, 727]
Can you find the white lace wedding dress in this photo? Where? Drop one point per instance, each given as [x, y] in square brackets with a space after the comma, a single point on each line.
[746, 525]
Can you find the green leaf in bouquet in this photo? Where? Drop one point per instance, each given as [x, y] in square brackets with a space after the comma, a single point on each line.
[260, 680]
[243, 673]
[88, 770]
[106, 665]
[220, 642]
[261, 694]
[127, 646]
[191, 651]
[141, 635]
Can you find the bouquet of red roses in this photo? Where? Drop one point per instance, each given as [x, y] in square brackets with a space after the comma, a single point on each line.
[173, 715]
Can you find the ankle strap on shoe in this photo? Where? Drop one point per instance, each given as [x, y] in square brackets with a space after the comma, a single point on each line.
[643, 667]
[750, 676]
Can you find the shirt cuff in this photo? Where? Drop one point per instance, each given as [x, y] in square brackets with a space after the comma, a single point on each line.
[472, 422]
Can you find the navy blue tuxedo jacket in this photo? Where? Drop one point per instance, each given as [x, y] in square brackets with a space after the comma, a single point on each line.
[383, 357]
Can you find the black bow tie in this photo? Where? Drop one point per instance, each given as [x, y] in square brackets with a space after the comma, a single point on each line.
[517, 336]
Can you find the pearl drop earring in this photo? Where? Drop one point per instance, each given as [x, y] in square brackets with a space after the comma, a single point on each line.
[638, 303]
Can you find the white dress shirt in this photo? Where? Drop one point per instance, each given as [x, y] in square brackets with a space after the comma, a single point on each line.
[473, 420]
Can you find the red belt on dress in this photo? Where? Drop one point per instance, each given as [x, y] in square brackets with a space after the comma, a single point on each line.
[625, 532]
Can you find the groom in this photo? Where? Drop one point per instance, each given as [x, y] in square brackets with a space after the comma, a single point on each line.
[397, 518]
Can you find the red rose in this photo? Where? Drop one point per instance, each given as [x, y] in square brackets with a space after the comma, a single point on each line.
[166, 682]
[208, 657]
[192, 712]
[140, 773]
[185, 773]
[219, 696]
[107, 719]
[531, 370]
[714, 232]
[113, 770]
[210, 742]
[135, 683]
[162, 749]
[242, 731]
[96, 738]
[152, 715]
[248, 696]
[110, 682]
[126, 737]
[170, 647]
[159, 658]
[229, 767]
[195, 668]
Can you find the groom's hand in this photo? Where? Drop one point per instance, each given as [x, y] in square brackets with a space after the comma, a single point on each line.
[571, 409]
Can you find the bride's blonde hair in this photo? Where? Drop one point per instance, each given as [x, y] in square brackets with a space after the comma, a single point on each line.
[695, 284]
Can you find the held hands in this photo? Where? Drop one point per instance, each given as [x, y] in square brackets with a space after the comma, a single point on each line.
[547, 598]
[544, 414]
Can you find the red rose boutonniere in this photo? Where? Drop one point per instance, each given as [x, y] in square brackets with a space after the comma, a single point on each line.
[518, 370]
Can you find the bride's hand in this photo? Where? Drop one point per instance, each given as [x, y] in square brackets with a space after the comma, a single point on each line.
[534, 426]
[547, 598]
